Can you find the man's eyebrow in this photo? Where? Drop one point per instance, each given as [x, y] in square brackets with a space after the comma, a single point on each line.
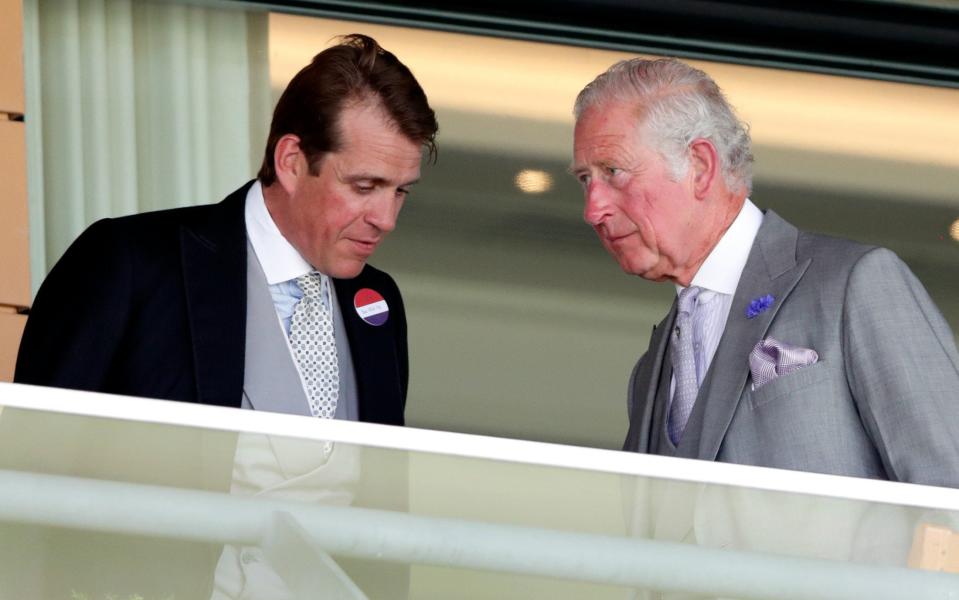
[375, 179]
[364, 177]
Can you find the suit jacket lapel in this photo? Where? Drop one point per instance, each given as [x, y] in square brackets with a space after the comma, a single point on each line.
[644, 382]
[771, 269]
[374, 358]
[213, 252]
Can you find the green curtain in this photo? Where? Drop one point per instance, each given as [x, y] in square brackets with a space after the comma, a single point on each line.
[136, 106]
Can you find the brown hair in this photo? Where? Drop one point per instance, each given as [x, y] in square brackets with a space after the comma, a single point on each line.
[354, 70]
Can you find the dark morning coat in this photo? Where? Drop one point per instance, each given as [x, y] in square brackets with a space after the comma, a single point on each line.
[154, 305]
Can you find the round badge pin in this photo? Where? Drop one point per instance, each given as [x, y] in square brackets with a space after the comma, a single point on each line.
[371, 307]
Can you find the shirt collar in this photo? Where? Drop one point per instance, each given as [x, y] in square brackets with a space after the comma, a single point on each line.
[279, 259]
[721, 270]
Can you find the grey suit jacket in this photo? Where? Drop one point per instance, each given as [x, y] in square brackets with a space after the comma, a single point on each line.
[883, 400]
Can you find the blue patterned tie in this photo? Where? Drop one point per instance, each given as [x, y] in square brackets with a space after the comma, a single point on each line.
[683, 357]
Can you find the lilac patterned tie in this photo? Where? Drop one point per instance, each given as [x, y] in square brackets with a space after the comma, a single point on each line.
[681, 353]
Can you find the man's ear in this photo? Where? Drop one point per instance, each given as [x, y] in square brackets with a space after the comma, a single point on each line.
[288, 160]
[704, 161]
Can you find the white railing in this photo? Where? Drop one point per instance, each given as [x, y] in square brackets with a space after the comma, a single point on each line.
[167, 512]
[106, 506]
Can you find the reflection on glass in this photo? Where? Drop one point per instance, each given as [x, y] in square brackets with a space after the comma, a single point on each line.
[100, 508]
[520, 325]
[294, 470]
[553, 326]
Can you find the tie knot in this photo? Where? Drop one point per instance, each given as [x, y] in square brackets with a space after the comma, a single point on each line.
[687, 298]
[313, 285]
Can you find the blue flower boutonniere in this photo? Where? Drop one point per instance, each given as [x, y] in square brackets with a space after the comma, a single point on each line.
[759, 306]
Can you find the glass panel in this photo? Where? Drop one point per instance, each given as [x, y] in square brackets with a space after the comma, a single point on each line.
[520, 324]
[97, 507]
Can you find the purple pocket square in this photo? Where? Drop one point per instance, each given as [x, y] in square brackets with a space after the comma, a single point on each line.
[771, 358]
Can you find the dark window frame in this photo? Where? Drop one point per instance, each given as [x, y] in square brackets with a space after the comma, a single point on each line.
[895, 40]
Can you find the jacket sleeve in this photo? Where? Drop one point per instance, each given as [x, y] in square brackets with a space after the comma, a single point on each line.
[903, 370]
[77, 320]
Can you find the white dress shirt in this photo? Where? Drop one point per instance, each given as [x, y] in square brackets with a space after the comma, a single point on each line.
[718, 277]
[280, 261]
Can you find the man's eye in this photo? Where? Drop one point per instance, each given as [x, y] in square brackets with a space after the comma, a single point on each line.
[402, 192]
[612, 171]
[583, 179]
[363, 188]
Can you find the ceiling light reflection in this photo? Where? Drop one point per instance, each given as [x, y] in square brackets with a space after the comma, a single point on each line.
[954, 230]
[533, 181]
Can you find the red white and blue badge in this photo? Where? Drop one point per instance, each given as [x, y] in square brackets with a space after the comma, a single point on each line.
[371, 307]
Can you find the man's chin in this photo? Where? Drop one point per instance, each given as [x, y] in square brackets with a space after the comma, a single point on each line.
[347, 270]
[645, 271]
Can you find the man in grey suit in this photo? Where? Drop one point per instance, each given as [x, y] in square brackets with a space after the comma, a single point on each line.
[784, 348]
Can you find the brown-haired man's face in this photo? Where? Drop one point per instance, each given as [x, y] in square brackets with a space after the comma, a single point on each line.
[337, 217]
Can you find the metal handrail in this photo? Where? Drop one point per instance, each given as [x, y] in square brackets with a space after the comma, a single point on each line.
[166, 512]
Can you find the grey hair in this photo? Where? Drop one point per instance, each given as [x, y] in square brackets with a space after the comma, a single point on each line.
[677, 104]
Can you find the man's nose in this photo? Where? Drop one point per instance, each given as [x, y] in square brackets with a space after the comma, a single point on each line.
[383, 211]
[597, 206]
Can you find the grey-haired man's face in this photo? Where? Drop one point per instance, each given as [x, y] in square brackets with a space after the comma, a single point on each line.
[640, 213]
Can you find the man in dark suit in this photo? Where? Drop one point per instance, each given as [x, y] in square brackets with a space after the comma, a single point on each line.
[783, 349]
[263, 300]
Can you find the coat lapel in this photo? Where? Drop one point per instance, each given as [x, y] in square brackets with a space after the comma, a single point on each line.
[374, 357]
[644, 386]
[771, 269]
[213, 252]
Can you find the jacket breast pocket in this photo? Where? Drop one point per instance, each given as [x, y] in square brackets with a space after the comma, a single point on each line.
[787, 385]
